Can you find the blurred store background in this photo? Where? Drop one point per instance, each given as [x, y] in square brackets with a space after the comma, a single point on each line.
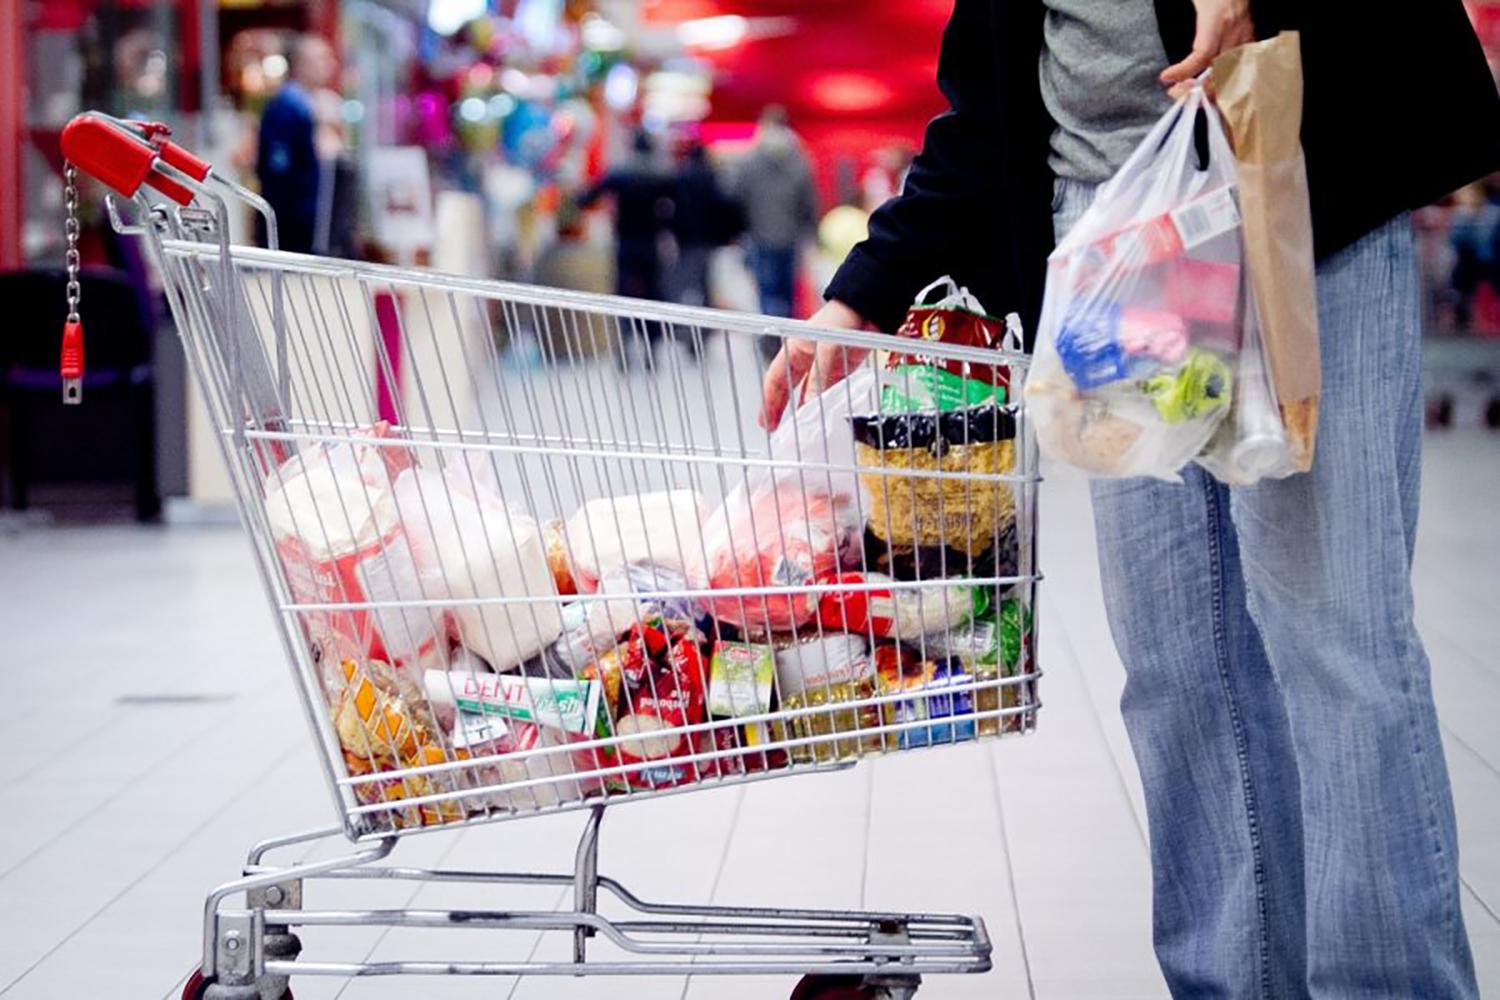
[724, 152]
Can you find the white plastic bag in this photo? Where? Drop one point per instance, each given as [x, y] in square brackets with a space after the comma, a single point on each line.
[468, 545]
[334, 522]
[1141, 323]
[787, 526]
[606, 535]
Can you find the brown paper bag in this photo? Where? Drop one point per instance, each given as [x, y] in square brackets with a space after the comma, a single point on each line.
[1259, 94]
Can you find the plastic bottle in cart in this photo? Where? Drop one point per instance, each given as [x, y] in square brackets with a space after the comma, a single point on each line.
[832, 671]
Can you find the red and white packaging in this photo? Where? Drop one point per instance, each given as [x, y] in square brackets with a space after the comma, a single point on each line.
[340, 541]
[789, 523]
[478, 736]
[670, 698]
[1202, 290]
[782, 538]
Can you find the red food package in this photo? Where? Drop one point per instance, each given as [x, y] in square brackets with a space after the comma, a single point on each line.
[741, 746]
[948, 323]
[786, 539]
[793, 519]
[857, 610]
[670, 698]
[1203, 290]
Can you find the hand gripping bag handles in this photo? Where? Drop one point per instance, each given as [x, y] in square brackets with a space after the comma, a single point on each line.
[1142, 357]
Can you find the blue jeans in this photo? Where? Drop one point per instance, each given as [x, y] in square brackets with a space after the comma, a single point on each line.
[775, 270]
[1277, 695]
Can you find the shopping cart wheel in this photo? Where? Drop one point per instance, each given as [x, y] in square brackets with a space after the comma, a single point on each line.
[198, 988]
[824, 987]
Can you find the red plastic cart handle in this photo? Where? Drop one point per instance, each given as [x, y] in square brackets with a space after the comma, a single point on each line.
[156, 134]
[119, 159]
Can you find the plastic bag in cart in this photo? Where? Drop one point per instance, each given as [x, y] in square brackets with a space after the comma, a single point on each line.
[340, 539]
[468, 545]
[793, 523]
[1141, 323]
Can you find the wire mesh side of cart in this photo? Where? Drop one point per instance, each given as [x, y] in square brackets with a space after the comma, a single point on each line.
[414, 455]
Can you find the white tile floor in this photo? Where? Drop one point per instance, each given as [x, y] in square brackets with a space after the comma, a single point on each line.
[152, 735]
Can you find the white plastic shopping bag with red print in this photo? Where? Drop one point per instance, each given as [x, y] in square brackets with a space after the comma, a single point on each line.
[1141, 345]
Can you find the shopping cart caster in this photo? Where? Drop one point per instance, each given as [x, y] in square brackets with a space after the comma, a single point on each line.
[198, 988]
[826, 987]
[822, 987]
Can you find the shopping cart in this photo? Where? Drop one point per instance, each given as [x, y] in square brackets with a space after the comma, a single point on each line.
[721, 605]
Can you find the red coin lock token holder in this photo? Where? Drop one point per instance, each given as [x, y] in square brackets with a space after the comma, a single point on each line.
[122, 156]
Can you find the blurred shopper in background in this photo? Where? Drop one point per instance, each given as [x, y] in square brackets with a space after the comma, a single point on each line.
[703, 217]
[1277, 694]
[642, 195]
[287, 160]
[1474, 234]
[774, 184]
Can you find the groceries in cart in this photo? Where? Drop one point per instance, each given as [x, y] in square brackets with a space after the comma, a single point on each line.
[1150, 352]
[792, 521]
[849, 595]
[342, 541]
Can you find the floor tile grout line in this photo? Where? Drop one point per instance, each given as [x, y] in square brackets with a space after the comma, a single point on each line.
[126, 787]
[307, 848]
[1483, 904]
[1469, 748]
[1464, 745]
[536, 944]
[162, 860]
[1109, 749]
[1010, 870]
[410, 899]
[724, 855]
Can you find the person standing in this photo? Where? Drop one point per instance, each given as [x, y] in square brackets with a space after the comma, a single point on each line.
[1277, 694]
[774, 185]
[287, 160]
[700, 222]
[642, 194]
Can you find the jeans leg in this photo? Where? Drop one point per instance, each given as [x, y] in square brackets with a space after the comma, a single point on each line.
[775, 276]
[1327, 566]
[1209, 732]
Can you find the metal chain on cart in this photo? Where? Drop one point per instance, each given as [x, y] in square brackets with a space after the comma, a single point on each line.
[70, 366]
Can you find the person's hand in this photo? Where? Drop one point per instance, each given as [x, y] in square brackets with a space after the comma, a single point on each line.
[805, 366]
[1222, 24]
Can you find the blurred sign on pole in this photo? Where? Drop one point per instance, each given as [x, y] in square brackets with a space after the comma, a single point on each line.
[401, 199]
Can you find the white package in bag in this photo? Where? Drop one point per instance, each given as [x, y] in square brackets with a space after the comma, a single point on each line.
[468, 545]
[661, 529]
[1141, 323]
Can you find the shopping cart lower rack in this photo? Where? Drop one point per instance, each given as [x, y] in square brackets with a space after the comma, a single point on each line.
[530, 553]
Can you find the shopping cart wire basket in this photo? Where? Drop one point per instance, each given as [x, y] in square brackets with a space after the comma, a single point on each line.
[529, 552]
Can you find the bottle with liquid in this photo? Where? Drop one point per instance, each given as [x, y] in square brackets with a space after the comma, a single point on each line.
[831, 671]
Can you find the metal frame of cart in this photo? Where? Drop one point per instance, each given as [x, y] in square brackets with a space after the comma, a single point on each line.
[271, 339]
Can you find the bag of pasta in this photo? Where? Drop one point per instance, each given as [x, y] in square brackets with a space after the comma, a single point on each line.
[930, 457]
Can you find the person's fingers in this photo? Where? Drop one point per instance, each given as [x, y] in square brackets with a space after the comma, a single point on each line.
[1197, 61]
[785, 373]
[1206, 44]
[831, 365]
[1241, 32]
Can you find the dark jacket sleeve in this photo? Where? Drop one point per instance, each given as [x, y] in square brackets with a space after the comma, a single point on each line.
[943, 220]
[603, 186]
